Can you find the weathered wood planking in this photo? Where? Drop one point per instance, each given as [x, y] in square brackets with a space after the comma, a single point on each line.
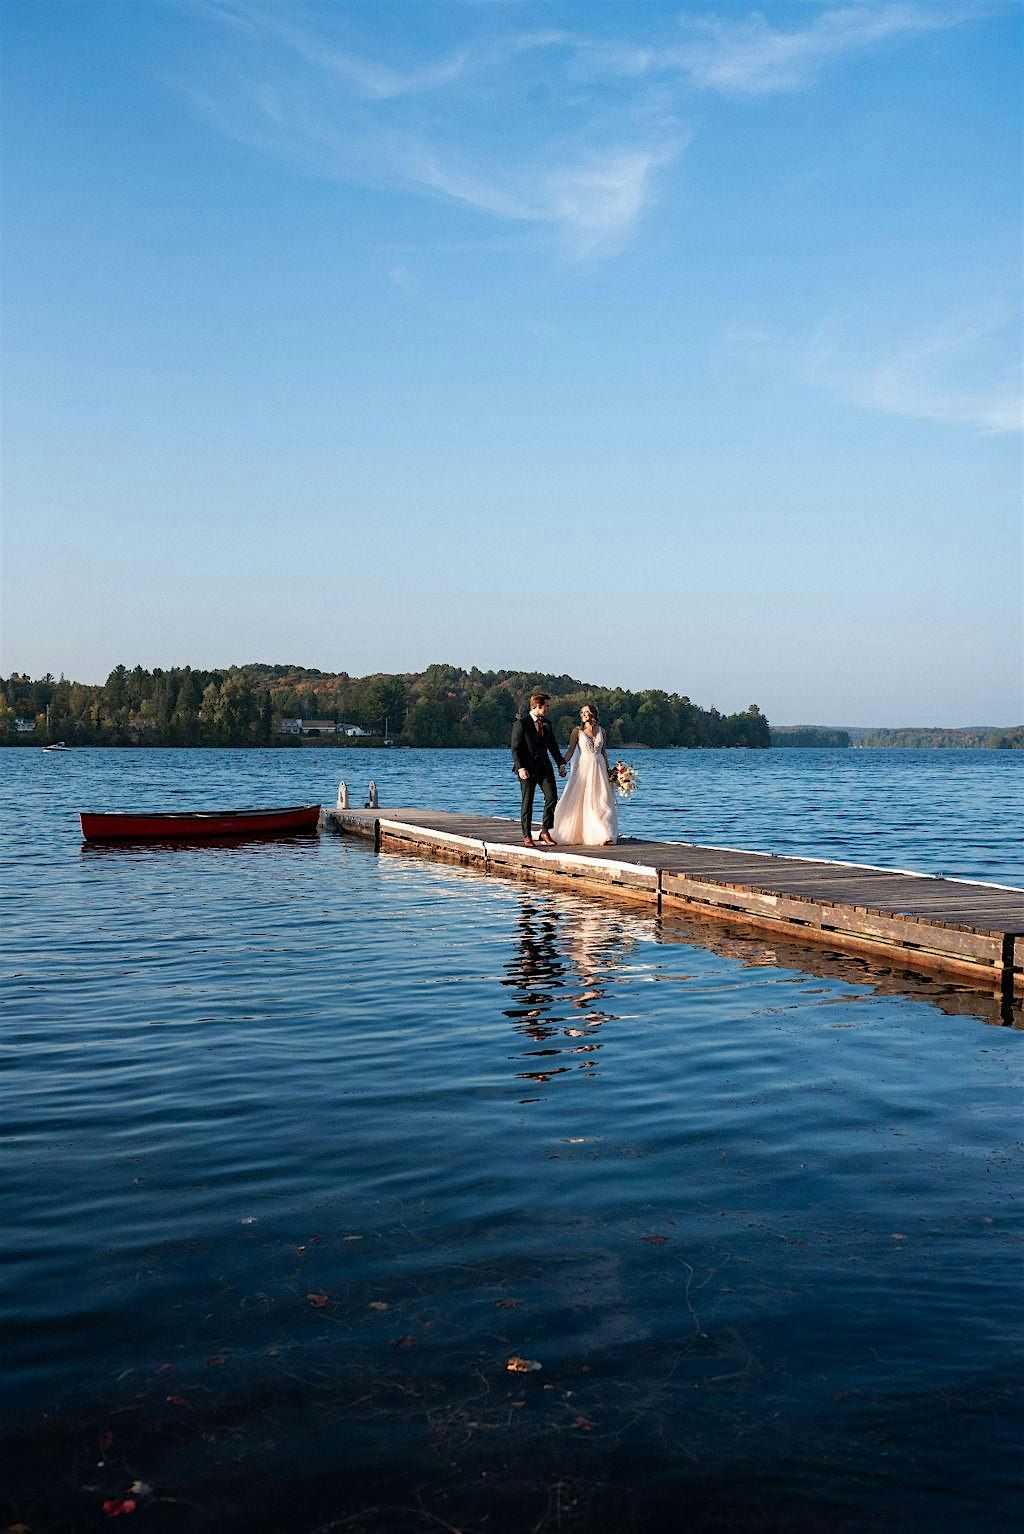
[972, 930]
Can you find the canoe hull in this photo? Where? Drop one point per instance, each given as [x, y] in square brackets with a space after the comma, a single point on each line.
[159, 827]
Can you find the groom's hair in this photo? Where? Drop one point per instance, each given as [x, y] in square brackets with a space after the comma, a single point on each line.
[537, 698]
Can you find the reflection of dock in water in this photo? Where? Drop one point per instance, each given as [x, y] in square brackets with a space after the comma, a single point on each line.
[913, 922]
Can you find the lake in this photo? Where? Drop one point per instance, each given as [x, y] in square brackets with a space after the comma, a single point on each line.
[302, 1145]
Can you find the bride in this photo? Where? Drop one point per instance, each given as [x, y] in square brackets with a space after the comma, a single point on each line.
[585, 814]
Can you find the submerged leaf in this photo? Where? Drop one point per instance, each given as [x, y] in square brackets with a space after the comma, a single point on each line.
[318, 1301]
[517, 1365]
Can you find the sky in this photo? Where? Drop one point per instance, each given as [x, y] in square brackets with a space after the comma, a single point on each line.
[667, 346]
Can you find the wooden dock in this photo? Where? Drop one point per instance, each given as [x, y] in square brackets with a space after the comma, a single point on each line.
[970, 930]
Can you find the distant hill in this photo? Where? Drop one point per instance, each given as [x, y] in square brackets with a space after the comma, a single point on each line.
[991, 737]
[441, 706]
[984, 736]
[809, 735]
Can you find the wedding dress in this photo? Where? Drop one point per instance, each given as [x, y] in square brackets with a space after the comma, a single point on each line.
[585, 815]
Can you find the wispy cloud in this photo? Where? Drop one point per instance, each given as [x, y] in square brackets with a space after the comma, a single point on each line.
[594, 201]
[744, 55]
[748, 56]
[963, 371]
[915, 381]
[555, 128]
[455, 126]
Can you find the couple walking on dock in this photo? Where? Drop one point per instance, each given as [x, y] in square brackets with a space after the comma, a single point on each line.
[585, 816]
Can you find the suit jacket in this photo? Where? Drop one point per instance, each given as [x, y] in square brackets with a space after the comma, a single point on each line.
[532, 745]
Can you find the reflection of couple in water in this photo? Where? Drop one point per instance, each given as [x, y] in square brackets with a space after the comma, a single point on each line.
[560, 972]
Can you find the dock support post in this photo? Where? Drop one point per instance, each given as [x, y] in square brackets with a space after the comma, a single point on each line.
[1006, 986]
[372, 802]
[342, 803]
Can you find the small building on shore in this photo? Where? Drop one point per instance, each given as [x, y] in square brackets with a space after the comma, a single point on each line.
[309, 727]
[320, 727]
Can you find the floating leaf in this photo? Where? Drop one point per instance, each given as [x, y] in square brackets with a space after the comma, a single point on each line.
[318, 1301]
[115, 1506]
[176, 1401]
[140, 1489]
[897, 1237]
[378, 1305]
[352, 1238]
[517, 1365]
[585, 1424]
[655, 1240]
[216, 1362]
[507, 1304]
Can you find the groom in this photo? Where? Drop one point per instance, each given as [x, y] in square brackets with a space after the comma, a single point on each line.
[533, 741]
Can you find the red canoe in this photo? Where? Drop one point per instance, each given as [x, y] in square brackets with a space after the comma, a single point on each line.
[157, 826]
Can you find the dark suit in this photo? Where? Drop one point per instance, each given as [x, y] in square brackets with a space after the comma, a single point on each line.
[532, 745]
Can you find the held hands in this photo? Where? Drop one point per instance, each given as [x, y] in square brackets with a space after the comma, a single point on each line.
[562, 770]
[523, 774]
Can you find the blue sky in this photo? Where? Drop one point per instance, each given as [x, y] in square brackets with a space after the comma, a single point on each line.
[664, 345]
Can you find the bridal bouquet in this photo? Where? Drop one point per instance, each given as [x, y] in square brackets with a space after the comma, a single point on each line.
[623, 777]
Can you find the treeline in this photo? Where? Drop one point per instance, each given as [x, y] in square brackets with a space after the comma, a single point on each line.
[808, 735]
[1009, 739]
[442, 706]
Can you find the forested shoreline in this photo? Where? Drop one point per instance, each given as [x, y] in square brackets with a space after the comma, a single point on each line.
[822, 736]
[443, 706]
[1008, 738]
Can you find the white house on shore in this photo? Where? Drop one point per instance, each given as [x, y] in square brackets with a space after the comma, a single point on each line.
[320, 727]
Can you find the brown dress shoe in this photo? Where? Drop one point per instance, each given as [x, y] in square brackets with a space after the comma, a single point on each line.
[548, 839]
[528, 841]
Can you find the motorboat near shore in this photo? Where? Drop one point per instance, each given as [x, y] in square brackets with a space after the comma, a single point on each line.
[159, 825]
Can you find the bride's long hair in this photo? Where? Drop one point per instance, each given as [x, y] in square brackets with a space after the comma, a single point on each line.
[595, 716]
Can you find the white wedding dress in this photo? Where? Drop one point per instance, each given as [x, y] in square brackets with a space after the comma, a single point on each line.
[585, 815]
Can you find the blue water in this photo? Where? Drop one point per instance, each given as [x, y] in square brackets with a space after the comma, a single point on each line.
[301, 1145]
